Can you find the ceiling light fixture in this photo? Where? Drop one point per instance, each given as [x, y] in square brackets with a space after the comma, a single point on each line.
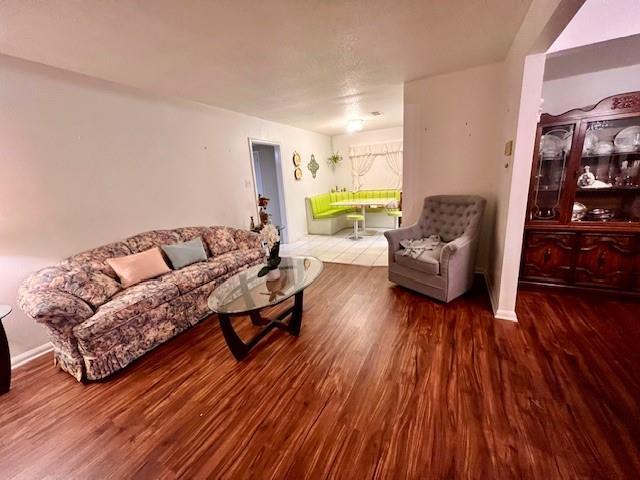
[354, 125]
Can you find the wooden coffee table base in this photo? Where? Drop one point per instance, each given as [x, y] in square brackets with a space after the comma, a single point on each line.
[241, 349]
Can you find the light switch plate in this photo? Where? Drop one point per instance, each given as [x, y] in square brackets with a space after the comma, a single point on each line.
[508, 148]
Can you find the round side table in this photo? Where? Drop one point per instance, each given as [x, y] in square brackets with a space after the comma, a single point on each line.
[5, 357]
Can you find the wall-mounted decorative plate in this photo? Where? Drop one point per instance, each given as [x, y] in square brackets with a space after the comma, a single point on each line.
[313, 166]
[297, 161]
[297, 173]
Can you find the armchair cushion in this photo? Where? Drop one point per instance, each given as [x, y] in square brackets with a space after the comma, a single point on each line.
[428, 262]
[447, 217]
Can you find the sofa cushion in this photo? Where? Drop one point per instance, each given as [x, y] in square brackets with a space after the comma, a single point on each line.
[245, 239]
[332, 212]
[320, 203]
[154, 238]
[429, 261]
[138, 267]
[127, 304]
[219, 240]
[92, 286]
[95, 259]
[237, 260]
[189, 233]
[185, 253]
[195, 275]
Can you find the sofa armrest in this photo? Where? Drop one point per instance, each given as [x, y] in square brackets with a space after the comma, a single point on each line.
[246, 239]
[56, 309]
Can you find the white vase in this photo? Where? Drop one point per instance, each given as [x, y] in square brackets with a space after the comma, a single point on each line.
[273, 275]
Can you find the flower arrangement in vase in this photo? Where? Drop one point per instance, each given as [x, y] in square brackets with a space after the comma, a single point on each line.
[271, 239]
[334, 160]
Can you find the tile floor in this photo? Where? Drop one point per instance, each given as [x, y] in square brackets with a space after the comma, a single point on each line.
[370, 251]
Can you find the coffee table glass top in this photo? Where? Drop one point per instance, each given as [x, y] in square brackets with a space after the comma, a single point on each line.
[245, 291]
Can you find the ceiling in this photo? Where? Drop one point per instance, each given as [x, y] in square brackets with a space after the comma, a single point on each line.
[599, 21]
[311, 64]
[617, 53]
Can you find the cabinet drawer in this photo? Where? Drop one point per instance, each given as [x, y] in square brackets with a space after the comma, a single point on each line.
[548, 257]
[605, 261]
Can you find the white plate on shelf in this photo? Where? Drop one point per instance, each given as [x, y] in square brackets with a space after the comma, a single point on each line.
[628, 139]
[551, 145]
[603, 148]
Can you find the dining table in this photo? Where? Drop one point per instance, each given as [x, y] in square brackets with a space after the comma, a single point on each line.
[363, 204]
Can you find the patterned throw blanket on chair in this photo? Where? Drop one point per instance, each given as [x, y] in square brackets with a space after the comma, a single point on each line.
[415, 248]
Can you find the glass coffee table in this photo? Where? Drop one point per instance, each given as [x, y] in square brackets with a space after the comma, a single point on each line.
[246, 294]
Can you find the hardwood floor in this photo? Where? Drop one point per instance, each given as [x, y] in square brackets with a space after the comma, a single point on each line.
[382, 383]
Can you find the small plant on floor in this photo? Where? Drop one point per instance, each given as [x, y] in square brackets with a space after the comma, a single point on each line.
[334, 160]
[271, 239]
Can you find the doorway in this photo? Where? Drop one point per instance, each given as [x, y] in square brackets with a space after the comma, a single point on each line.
[267, 180]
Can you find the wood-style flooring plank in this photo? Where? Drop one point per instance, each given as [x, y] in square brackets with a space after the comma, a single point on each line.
[382, 383]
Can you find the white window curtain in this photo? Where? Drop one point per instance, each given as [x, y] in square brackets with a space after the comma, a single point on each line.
[360, 165]
[363, 156]
[394, 160]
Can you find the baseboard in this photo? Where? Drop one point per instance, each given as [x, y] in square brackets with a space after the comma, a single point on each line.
[498, 313]
[509, 315]
[29, 355]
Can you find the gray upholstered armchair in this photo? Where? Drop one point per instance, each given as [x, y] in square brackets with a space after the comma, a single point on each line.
[447, 271]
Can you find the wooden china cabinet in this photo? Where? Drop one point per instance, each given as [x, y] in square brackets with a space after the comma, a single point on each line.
[583, 219]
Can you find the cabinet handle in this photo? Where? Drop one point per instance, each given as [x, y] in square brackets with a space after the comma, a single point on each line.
[547, 255]
[602, 259]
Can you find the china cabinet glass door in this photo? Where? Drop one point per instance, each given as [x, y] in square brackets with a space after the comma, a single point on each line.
[608, 182]
[549, 176]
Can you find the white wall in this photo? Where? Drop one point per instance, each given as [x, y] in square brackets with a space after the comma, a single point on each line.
[380, 175]
[563, 94]
[452, 140]
[523, 71]
[86, 162]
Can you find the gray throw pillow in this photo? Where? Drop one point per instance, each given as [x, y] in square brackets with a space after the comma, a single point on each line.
[183, 254]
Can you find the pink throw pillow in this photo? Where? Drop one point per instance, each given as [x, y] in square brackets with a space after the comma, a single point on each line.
[141, 266]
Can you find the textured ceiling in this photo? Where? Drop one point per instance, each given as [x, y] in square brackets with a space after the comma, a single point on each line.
[312, 64]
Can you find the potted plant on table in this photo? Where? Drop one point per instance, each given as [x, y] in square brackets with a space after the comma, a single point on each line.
[271, 239]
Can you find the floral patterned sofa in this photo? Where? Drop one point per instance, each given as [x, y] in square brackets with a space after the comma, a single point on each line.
[98, 327]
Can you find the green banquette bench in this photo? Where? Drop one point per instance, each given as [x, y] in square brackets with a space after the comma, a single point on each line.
[325, 219]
